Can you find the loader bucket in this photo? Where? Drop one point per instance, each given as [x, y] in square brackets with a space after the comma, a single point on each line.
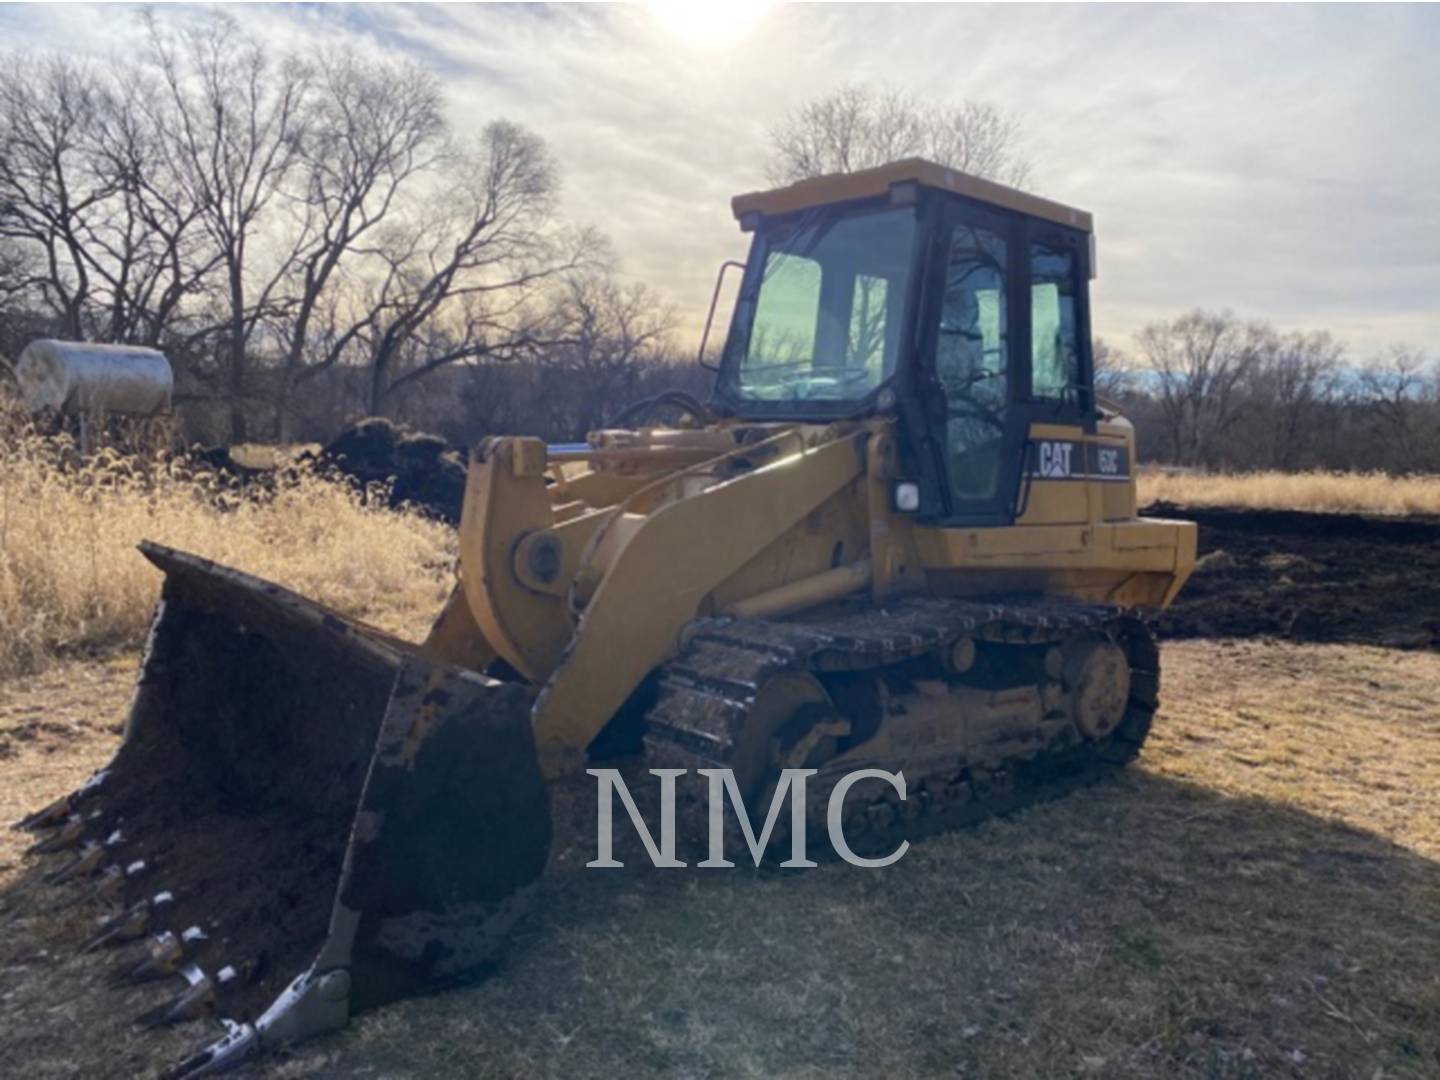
[344, 821]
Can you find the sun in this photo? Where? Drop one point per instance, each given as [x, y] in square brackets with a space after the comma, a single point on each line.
[709, 24]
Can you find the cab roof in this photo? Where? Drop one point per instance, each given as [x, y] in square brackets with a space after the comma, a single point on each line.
[876, 182]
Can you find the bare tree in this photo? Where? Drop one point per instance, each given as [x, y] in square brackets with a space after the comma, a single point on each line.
[1200, 363]
[239, 122]
[150, 251]
[609, 332]
[862, 125]
[1291, 385]
[15, 272]
[473, 269]
[50, 187]
[613, 344]
[376, 127]
[1400, 400]
[108, 244]
[1115, 373]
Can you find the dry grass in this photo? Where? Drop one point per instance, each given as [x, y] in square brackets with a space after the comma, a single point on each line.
[1320, 492]
[72, 581]
[1259, 896]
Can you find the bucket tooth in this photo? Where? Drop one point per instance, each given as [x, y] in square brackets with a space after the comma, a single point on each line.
[240, 1043]
[232, 975]
[127, 926]
[160, 958]
[315, 1002]
[90, 859]
[106, 890]
[110, 885]
[62, 808]
[195, 1002]
[67, 836]
[49, 816]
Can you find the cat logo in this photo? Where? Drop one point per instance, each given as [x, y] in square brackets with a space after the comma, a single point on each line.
[1055, 459]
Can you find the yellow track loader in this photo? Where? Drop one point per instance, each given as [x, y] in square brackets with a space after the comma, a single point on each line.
[901, 535]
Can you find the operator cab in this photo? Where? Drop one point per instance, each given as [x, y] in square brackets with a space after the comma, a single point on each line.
[959, 305]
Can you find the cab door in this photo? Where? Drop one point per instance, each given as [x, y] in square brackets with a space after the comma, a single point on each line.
[968, 388]
[1004, 346]
[1054, 381]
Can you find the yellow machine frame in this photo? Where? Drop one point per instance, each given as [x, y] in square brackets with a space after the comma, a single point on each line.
[581, 570]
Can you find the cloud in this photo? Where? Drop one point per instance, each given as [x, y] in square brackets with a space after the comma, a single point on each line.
[1279, 161]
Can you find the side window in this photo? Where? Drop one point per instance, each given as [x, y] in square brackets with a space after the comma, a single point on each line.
[1054, 355]
[784, 328]
[971, 361]
[972, 323]
[866, 347]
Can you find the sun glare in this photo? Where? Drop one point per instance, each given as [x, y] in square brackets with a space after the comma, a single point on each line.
[710, 24]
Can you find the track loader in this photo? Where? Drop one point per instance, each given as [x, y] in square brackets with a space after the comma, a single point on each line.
[901, 535]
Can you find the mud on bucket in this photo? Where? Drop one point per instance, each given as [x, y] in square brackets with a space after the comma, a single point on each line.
[345, 822]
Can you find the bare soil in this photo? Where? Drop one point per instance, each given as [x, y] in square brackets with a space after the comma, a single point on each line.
[1310, 577]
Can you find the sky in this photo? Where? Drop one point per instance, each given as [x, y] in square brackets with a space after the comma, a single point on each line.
[1281, 161]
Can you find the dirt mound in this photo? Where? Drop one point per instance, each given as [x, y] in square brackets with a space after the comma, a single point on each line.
[416, 468]
[217, 461]
[1310, 577]
[403, 467]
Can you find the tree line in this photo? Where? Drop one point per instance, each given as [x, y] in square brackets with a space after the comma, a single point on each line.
[1211, 390]
[1205, 389]
[288, 226]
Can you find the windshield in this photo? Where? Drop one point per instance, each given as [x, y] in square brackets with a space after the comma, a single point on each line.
[824, 314]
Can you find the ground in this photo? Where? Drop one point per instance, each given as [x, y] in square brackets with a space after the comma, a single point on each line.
[1259, 895]
[1310, 577]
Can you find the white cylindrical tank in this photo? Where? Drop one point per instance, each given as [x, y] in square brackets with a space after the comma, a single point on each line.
[81, 379]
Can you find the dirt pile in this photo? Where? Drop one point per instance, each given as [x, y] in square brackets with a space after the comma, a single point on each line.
[416, 468]
[403, 467]
[219, 462]
[1310, 577]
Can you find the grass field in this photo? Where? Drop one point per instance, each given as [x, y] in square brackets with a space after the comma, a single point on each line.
[1319, 492]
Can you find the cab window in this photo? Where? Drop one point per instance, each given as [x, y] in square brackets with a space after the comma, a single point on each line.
[828, 308]
[784, 331]
[1054, 352]
[971, 363]
[867, 347]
